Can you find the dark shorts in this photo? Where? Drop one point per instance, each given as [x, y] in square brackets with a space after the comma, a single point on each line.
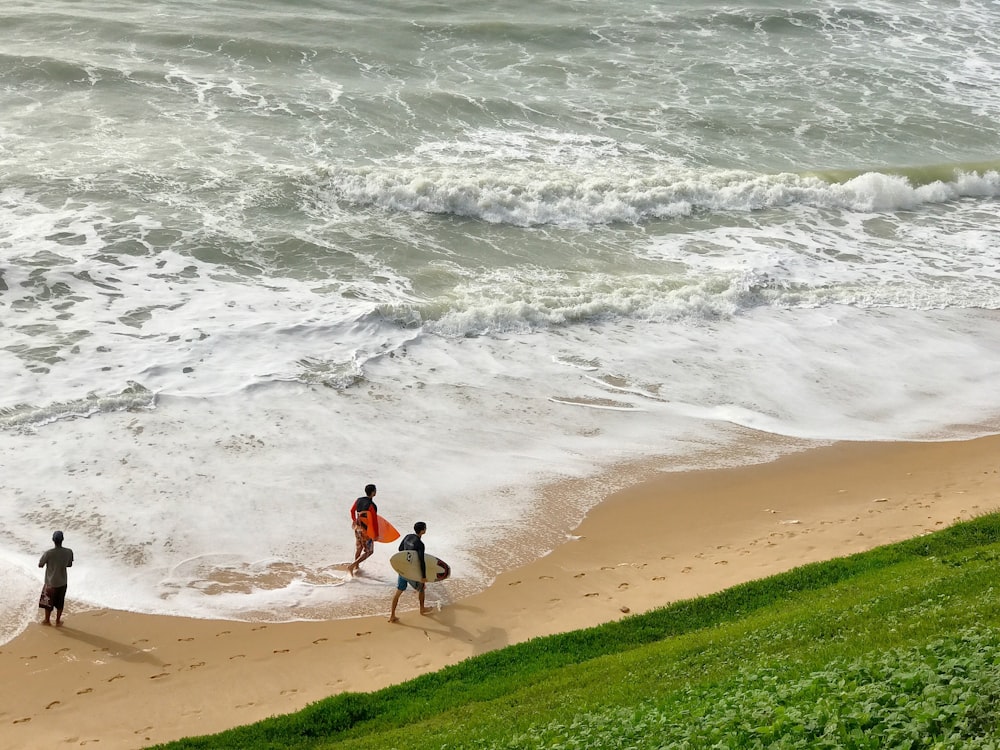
[402, 583]
[56, 597]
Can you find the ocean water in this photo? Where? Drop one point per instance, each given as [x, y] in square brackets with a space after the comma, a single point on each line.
[254, 256]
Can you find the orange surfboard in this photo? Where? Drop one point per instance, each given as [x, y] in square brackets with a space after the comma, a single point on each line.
[386, 531]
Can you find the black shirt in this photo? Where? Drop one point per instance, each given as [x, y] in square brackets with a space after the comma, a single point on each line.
[415, 543]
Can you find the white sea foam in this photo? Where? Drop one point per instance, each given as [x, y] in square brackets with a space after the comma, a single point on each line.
[236, 506]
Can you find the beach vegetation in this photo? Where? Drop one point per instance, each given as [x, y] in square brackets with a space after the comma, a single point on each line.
[898, 647]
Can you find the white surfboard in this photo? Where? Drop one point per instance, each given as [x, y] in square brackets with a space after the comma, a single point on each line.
[407, 564]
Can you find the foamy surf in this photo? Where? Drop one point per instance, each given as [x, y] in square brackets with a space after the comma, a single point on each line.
[609, 191]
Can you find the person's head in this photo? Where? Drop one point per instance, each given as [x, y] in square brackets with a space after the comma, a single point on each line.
[419, 528]
[57, 537]
[370, 490]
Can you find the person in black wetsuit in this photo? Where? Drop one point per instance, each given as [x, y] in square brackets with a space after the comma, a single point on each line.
[416, 543]
[364, 521]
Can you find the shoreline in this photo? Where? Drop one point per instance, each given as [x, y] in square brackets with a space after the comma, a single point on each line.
[126, 680]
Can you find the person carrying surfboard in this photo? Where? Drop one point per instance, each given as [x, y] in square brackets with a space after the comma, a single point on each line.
[364, 521]
[416, 543]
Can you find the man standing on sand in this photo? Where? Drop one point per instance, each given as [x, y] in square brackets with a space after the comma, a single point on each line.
[412, 542]
[364, 521]
[55, 561]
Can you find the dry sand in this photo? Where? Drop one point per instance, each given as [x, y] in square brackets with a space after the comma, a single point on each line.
[120, 680]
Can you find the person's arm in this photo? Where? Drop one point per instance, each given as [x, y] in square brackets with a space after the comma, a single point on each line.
[423, 562]
[70, 563]
[45, 557]
[354, 515]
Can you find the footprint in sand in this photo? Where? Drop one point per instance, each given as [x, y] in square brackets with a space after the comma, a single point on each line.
[141, 640]
[181, 640]
[22, 721]
[62, 650]
[289, 691]
[237, 656]
[84, 691]
[116, 677]
[367, 632]
[686, 570]
[722, 562]
[513, 583]
[319, 641]
[260, 627]
[592, 594]
[545, 578]
[158, 676]
[224, 632]
[197, 664]
[607, 567]
[579, 575]
[660, 578]
[53, 703]
[622, 585]
[280, 651]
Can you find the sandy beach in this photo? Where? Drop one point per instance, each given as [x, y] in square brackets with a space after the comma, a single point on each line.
[121, 680]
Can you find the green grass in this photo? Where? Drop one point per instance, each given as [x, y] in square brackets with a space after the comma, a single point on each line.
[893, 648]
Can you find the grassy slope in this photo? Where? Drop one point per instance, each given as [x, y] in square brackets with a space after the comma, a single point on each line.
[761, 664]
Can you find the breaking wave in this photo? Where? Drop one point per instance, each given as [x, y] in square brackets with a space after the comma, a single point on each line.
[566, 197]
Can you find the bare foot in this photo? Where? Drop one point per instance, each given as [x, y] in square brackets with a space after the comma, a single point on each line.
[425, 610]
[393, 619]
[45, 622]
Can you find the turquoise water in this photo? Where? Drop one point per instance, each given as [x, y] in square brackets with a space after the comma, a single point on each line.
[254, 258]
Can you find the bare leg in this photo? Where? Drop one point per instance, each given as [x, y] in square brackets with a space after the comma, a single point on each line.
[358, 547]
[58, 617]
[48, 616]
[353, 567]
[392, 610]
[420, 595]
